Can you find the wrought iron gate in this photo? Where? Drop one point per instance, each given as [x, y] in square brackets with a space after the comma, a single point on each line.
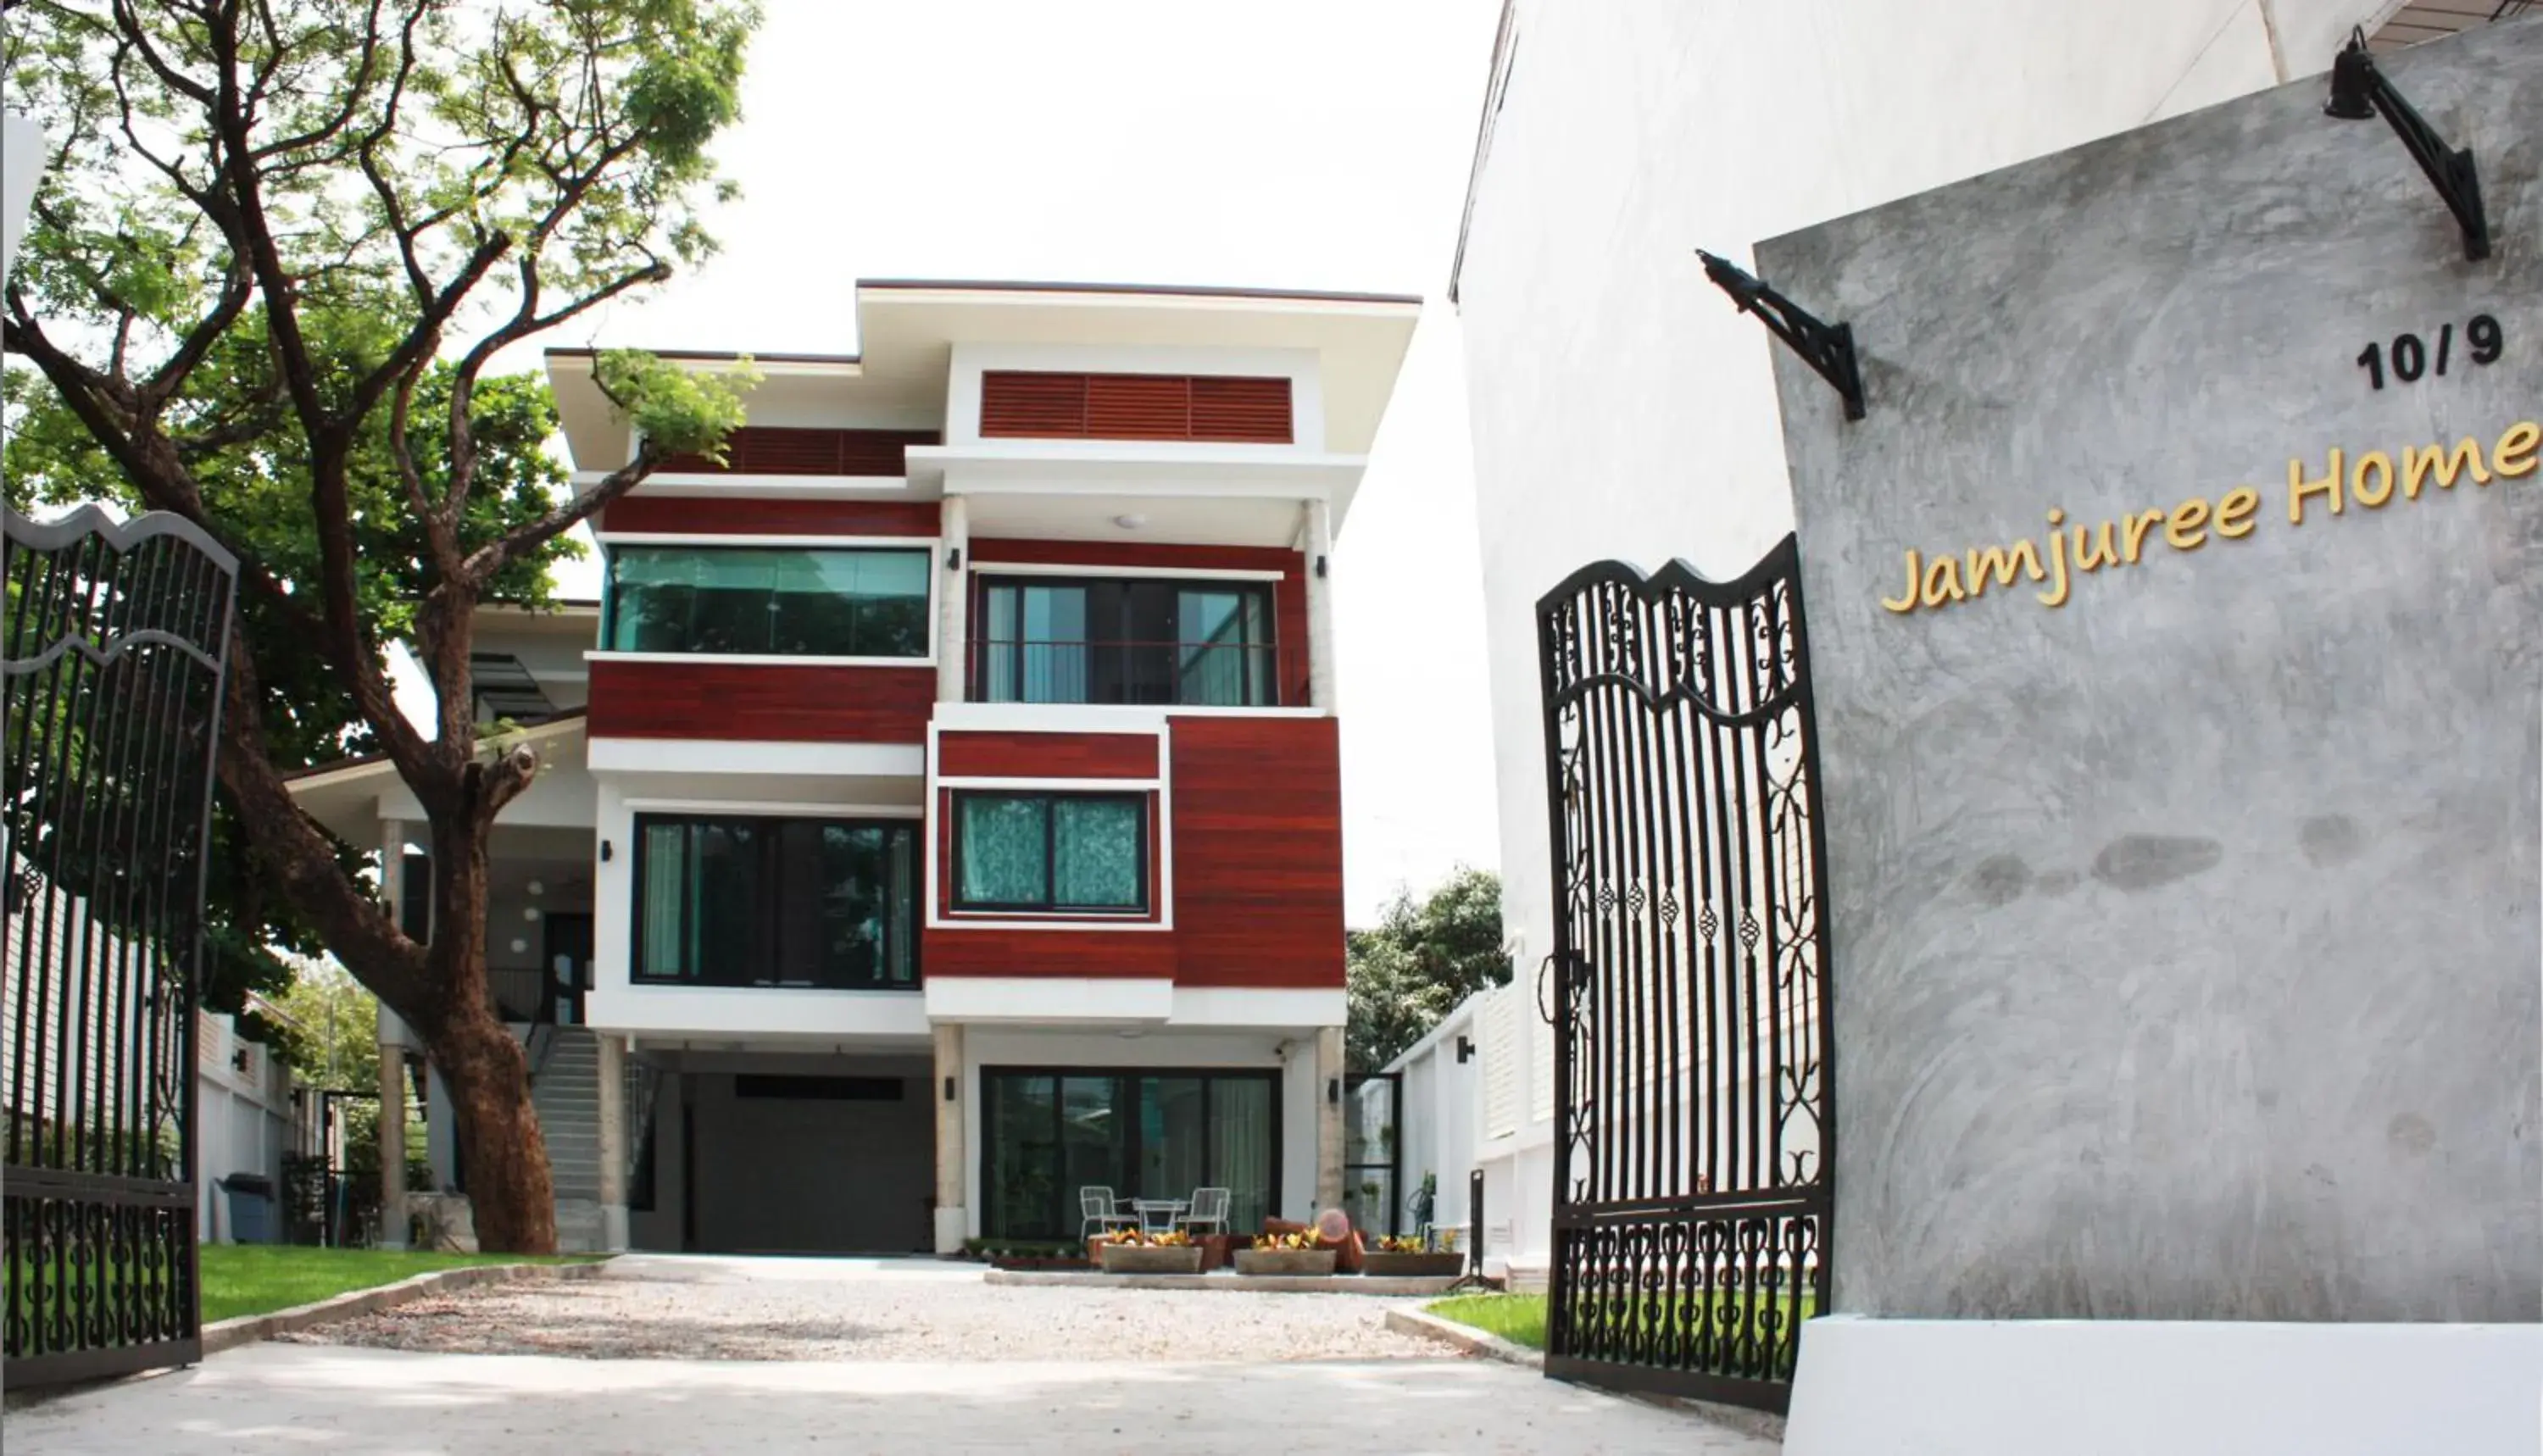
[112, 649]
[1689, 980]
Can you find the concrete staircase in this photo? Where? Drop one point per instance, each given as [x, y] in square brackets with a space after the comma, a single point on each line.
[565, 1087]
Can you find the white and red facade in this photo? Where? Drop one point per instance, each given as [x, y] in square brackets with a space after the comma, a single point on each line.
[950, 777]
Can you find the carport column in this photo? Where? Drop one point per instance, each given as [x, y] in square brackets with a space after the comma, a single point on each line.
[1319, 535]
[390, 1039]
[955, 605]
[953, 1219]
[613, 1143]
[1328, 1119]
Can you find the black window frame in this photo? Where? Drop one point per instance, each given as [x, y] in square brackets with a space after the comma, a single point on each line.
[1122, 641]
[1063, 1204]
[769, 923]
[611, 599]
[1141, 802]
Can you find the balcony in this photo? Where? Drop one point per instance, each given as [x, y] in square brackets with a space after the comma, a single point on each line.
[1176, 675]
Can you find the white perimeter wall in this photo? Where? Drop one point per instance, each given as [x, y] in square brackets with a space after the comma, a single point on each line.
[1621, 408]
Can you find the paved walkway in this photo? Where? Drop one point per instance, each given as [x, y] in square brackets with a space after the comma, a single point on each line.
[855, 1356]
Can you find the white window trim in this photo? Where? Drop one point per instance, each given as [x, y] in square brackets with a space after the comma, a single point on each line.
[709, 540]
[759, 660]
[1178, 574]
[940, 843]
[933, 546]
[769, 808]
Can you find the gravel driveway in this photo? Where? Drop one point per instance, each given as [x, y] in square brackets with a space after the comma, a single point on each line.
[821, 1309]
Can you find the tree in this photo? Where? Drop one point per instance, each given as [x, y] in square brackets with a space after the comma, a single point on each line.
[277, 249]
[1420, 961]
[250, 934]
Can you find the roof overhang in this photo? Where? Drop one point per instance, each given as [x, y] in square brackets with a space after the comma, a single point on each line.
[346, 797]
[908, 328]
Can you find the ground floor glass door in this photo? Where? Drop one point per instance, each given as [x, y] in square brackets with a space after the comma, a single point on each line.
[1047, 1134]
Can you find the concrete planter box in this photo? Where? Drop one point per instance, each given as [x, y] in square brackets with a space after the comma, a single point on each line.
[1134, 1259]
[1291, 1262]
[1378, 1265]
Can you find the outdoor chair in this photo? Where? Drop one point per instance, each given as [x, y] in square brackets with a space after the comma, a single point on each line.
[1209, 1211]
[1099, 1213]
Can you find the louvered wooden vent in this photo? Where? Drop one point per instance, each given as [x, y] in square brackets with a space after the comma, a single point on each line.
[764, 449]
[1032, 405]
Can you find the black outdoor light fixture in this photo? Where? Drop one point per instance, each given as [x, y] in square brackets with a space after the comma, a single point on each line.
[604, 852]
[954, 559]
[1332, 1089]
[2359, 91]
[1465, 1050]
[949, 1089]
[1319, 567]
[1828, 349]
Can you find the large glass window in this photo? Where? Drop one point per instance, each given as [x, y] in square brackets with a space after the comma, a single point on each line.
[731, 901]
[1050, 851]
[1145, 1134]
[1164, 642]
[771, 601]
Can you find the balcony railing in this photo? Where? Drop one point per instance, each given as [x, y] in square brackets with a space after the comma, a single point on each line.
[1183, 674]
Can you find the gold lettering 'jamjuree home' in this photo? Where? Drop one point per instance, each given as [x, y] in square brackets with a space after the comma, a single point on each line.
[2068, 551]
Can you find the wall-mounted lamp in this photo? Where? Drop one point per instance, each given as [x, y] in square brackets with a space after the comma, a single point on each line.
[1465, 1050]
[1320, 568]
[1332, 1089]
[950, 1084]
[1828, 349]
[604, 852]
[954, 559]
[2358, 90]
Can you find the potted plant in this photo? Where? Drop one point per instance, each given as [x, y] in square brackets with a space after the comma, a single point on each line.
[1285, 1254]
[1132, 1252]
[1409, 1257]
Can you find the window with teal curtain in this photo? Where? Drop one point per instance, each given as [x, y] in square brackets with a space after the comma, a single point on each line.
[860, 602]
[1052, 852]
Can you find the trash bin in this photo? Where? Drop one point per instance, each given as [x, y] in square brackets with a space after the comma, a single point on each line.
[251, 1200]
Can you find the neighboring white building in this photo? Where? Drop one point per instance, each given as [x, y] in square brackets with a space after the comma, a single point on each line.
[1624, 410]
[245, 1119]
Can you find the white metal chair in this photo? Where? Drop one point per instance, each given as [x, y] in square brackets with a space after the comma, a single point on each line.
[1099, 1213]
[1209, 1209]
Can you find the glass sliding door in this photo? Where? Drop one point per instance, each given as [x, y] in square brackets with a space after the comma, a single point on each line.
[1021, 1130]
[1144, 1133]
[1152, 641]
[1244, 1147]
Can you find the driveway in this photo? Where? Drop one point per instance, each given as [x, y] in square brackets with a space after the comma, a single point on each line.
[858, 1357]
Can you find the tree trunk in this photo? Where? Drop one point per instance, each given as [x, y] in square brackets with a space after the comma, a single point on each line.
[504, 1154]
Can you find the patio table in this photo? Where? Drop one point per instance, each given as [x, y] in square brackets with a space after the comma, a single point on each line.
[1157, 1215]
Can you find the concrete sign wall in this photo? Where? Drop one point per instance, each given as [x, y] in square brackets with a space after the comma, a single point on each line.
[2186, 909]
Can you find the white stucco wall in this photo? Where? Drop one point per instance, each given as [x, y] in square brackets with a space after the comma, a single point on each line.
[1621, 406]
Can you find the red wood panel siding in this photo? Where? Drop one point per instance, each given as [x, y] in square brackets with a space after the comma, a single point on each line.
[764, 449]
[744, 701]
[1038, 404]
[692, 515]
[1046, 755]
[1258, 852]
[1117, 953]
[1288, 594]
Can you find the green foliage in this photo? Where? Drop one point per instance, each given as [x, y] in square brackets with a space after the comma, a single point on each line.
[272, 256]
[333, 1040]
[1421, 961]
[683, 412]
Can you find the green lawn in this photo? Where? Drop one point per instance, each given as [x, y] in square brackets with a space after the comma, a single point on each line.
[1520, 1318]
[1517, 1318]
[260, 1278]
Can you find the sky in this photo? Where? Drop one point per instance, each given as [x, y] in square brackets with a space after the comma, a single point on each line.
[1304, 146]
